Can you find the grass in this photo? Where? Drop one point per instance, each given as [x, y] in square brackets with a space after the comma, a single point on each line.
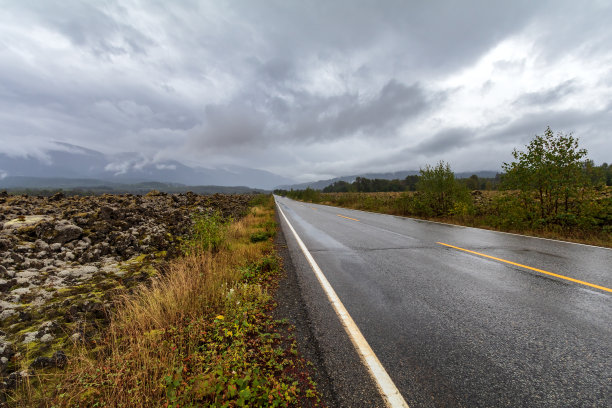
[201, 334]
[492, 210]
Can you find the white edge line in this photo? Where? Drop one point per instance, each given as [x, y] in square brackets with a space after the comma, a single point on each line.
[463, 226]
[385, 385]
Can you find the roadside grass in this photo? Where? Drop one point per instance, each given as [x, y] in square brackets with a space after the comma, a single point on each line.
[492, 210]
[199, 335]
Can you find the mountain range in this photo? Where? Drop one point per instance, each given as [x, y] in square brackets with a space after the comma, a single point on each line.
[67, 164]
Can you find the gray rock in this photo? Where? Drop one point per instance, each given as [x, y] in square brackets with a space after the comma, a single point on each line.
[59, 359]
[23, 249]
[41, 245]
[4, 244]
[107, 213]
[6, 349]
[7, 284]
[81, 273]
[15, 378]
[29, 337]
[7, 261]
[65, 231]
[6, 273]
[55, 247]
[27, 276]
[33, 263]
[6, 313]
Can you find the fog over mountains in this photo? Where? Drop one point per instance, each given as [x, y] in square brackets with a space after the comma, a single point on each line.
[69, 166]
[68, 161]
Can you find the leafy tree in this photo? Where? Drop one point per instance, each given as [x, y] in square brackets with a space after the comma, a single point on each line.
[440, 192]
[552, 167]
[473, 183]
[410, 182]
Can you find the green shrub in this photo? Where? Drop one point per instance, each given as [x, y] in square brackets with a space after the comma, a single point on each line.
[208, 232]
[440, 192]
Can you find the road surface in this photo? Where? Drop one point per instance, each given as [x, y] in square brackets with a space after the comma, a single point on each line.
[457, 316]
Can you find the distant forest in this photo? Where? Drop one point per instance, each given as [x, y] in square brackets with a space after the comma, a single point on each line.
[598, 174]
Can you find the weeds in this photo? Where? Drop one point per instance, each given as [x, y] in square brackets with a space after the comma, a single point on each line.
[208, 233]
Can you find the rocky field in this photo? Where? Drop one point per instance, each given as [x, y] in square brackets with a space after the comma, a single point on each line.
[64, 260]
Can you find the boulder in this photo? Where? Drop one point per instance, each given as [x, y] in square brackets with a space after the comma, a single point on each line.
[57, 197]
[5, 244]
[107, 213]
[14, 379]
[65, 231]
[59, 360]
[5, 273]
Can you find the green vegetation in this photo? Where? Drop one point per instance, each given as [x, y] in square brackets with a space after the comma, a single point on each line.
[551, 189]
[553, 168]
[440, 192]
[208, 233]
[201, 334]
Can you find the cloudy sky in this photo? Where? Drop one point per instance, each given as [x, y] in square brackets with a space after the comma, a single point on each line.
[305, 89]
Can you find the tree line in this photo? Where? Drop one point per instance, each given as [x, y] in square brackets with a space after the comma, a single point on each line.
[550, 183]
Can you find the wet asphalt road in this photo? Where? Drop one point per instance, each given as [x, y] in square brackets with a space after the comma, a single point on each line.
[454, 328]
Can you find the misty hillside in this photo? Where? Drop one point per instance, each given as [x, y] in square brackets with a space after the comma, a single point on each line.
[85, 186]
[90, 168]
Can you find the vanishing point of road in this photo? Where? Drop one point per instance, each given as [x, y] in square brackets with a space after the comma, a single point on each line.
[457, 316]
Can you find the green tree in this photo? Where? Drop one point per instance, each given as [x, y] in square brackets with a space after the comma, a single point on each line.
[552, 168]
[473, 183]
[439, 190]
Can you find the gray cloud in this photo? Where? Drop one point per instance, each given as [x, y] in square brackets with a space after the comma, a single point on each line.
[444, 141]
[543, 98]
[338, 117]
[301, 88]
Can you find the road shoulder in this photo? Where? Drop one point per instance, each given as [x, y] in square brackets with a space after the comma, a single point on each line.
[342, 378]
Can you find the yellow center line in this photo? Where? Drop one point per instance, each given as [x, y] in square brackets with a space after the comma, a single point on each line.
[530, 268]
[347, 217]
[313, 208]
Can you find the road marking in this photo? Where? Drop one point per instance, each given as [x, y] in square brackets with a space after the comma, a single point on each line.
[530, 268]
[385, 385]
[349, 218]
[313, 208]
